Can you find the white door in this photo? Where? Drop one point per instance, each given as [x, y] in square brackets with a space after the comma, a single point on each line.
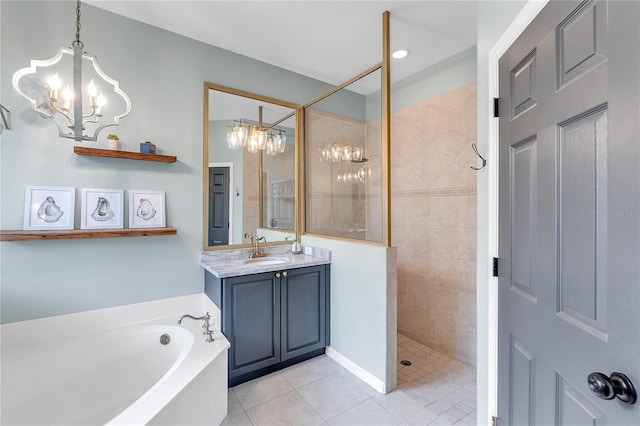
[569, 217]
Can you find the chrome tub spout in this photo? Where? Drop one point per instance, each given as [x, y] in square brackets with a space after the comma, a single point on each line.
[206, 326]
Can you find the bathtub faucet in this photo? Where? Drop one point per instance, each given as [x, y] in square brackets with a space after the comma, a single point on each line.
[206, 326]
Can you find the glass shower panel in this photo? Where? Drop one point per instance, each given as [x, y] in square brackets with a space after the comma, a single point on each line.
[343, 162]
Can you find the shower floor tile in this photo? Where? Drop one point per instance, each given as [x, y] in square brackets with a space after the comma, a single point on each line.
[434, 390]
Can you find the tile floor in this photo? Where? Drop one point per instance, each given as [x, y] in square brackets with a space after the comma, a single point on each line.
[435, 390]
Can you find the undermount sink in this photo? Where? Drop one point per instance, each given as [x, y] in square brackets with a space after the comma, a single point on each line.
[269, 260]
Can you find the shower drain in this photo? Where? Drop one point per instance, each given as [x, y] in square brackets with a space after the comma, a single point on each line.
[405, 362]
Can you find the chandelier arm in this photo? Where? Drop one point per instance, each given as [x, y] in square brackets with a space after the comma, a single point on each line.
[94, 120]
[62, 112]
[91, 114]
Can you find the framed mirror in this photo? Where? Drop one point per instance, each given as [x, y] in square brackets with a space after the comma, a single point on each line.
[249, 168]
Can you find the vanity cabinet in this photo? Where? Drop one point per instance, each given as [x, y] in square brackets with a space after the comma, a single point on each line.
[272, 319]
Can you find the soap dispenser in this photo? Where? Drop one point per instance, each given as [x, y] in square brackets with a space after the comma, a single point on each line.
[296, 248]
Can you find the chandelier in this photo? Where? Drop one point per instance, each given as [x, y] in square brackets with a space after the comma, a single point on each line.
[256, 137]
[79, 112]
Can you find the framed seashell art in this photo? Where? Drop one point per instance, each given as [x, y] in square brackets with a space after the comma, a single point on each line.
[102, 208]
[146, 209]
[49, 207]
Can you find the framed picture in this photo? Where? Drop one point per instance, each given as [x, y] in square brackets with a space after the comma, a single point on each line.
[146, 209]
[49, 207]
[102, 208]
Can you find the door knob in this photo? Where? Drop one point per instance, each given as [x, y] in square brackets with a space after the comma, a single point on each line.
[618, 385]
[284, 274]
[601, 385]
[278, 274]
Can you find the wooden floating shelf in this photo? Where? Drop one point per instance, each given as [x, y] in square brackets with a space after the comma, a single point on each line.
[73, 234]
[112, 153]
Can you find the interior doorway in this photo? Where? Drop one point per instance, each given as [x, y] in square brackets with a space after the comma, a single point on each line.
[220, 204]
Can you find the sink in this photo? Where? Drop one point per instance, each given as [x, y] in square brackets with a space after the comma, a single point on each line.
[269, 260]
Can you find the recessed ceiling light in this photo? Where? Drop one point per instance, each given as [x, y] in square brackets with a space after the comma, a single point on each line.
[400, 53]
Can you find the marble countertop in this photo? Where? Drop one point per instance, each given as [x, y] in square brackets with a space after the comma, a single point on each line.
[233, 263]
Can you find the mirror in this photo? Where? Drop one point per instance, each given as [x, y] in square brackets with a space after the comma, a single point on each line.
[248, 190]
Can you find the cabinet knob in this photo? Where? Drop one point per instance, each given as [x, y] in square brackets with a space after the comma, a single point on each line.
[277, 274]
[284, 274]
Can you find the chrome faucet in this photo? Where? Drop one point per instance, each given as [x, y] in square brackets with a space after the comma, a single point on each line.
[206, 326]
[257, 251]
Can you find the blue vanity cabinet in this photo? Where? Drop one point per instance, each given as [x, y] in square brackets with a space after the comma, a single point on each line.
[303, 314]
[272, 319]
[251, 322]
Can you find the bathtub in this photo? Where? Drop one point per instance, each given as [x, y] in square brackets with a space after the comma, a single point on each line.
[110, 367]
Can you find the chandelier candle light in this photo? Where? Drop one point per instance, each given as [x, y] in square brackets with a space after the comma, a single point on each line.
[67, 112]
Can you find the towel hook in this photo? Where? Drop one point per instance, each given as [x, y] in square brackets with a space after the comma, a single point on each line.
[484, 162]
[6, 119]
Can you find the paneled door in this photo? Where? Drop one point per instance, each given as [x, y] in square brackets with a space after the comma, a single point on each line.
[219, 200]
[569, 218]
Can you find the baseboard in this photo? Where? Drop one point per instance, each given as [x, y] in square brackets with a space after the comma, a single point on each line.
[356, 370]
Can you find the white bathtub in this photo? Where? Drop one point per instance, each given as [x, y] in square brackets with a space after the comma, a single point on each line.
[109, 367]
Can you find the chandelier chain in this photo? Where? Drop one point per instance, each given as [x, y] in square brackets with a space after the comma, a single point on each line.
[78, 42]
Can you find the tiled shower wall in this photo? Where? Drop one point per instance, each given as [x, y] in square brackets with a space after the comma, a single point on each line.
[434, 221]
[433, 210]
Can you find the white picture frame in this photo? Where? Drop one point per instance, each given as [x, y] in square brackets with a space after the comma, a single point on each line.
[49, 207]
[146, 209]
[102, 208]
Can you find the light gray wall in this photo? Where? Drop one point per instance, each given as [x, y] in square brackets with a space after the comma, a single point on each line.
[494, 17]
[163, 74]
[362, 307]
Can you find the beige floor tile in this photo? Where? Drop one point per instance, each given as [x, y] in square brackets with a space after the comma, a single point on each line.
[366, 413]
[332, 395]
[306, 372]
[287, 409]
[359, 384]
[239, 419]
[233, 405]
[442, 405]
[436, 390]
[426, 399]
[261, 390]
[453, 414]
[405, 408]
[466, 421]
[441, 421]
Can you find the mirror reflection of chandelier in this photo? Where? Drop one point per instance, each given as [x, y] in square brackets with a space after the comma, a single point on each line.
[358, 176]
[56, 90]
[341, 151]
[256, 137]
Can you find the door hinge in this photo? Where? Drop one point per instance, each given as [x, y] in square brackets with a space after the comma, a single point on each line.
[495, 266]
[496, 111]
[494, 421]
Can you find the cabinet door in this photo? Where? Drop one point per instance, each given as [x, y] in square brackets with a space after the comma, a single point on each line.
[251, 321]
[303, 302]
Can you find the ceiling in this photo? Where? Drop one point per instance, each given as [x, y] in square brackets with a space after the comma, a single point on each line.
[331, 41]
